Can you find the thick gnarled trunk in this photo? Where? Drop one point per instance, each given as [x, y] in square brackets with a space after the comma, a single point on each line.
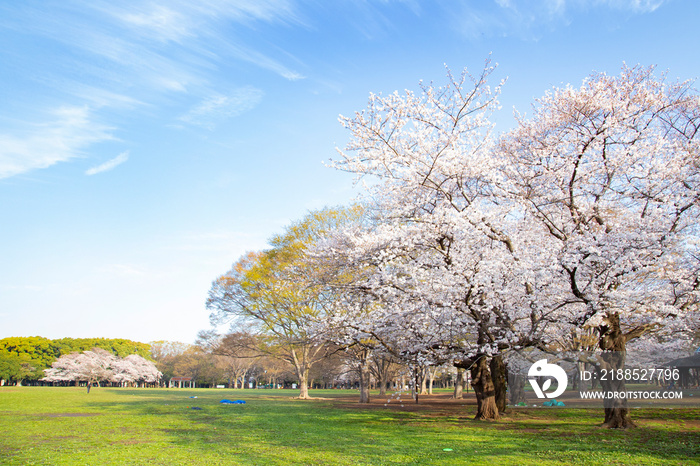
[613, 343]
[484, 389]
[498, 376]
[616, 409]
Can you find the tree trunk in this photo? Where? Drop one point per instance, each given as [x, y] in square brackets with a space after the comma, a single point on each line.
[616, 410]
[416, 382]
[431, 379]
[613, 344]
[303, 384]
[498, 375]
[302, 370]
[516, 389]
[382, 386]
[364, 381]
[383, 365]
[578, 383]
[424, 380]
[594, 382]
[459, 385]
[484, 390]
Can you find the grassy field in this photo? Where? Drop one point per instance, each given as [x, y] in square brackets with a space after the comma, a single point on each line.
[158, 426]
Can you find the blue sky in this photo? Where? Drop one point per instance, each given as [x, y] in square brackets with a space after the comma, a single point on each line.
[146, 145]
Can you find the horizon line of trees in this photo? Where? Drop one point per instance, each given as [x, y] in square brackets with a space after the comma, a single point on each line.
[235, 360]
[26, 358]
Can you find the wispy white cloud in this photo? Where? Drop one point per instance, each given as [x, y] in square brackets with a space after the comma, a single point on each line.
[175, 20]
[107, 56]
[413, 5]
[71, 130]
[158, 21]
[195, 26]
[635, 6]
[527, 19]
[109, 164]
[97, 97]
[265, 62]
[219, 107]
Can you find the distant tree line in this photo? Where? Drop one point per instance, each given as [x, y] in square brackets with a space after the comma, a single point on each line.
[242, 359]
[24, 359]
[239, 359]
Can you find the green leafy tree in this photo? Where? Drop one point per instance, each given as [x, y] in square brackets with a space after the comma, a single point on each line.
[14, 368]
[277, 291]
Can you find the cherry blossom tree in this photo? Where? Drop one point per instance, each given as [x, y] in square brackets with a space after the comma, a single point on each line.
[454, 275]
[583, 214]
[99, 365]
[611, 171]
[91, 367]
[135, 369]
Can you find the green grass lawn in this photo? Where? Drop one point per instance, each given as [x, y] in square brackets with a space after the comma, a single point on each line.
[45, 425]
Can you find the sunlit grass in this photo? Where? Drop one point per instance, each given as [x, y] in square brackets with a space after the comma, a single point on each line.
[159, 426]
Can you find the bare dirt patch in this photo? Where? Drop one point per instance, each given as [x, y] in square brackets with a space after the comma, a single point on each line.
[441, 404]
